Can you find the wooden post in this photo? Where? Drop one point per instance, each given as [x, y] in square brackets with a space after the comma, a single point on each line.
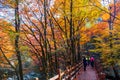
[59, 70]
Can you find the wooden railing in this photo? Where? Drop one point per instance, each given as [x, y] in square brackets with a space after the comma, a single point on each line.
[68, 74]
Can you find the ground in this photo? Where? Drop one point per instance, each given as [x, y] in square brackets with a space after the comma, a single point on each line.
[89, 74]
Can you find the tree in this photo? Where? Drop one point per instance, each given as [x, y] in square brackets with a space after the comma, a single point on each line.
[108, 43]
[15, 4]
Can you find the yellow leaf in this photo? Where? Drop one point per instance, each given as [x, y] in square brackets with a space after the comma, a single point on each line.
[105, 16]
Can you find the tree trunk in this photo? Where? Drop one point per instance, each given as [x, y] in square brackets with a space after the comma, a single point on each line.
[45, 40]
[55, 46]
[78, 48]
[72, 40]
[17, 29]
[71, 32]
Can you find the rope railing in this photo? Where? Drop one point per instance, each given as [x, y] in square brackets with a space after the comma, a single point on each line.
[68, 74]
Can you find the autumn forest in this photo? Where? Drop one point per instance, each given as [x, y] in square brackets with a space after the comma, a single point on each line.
[40, 39]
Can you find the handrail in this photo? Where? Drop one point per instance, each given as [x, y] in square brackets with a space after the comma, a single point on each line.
[73, 72]
[57, 76]
[69, 73]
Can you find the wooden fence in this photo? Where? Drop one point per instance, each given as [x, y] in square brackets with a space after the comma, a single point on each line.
[68, 74]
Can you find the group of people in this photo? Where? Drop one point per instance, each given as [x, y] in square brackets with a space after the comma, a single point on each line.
[88, 61]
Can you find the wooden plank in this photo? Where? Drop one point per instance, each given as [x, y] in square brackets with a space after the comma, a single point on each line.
[57, 76]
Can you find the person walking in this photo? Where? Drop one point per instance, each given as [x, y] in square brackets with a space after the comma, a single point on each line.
[84, 63]
[92, 61]
[88, 60]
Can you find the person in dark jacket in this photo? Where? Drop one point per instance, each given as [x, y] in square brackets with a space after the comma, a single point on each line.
[84, 63]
